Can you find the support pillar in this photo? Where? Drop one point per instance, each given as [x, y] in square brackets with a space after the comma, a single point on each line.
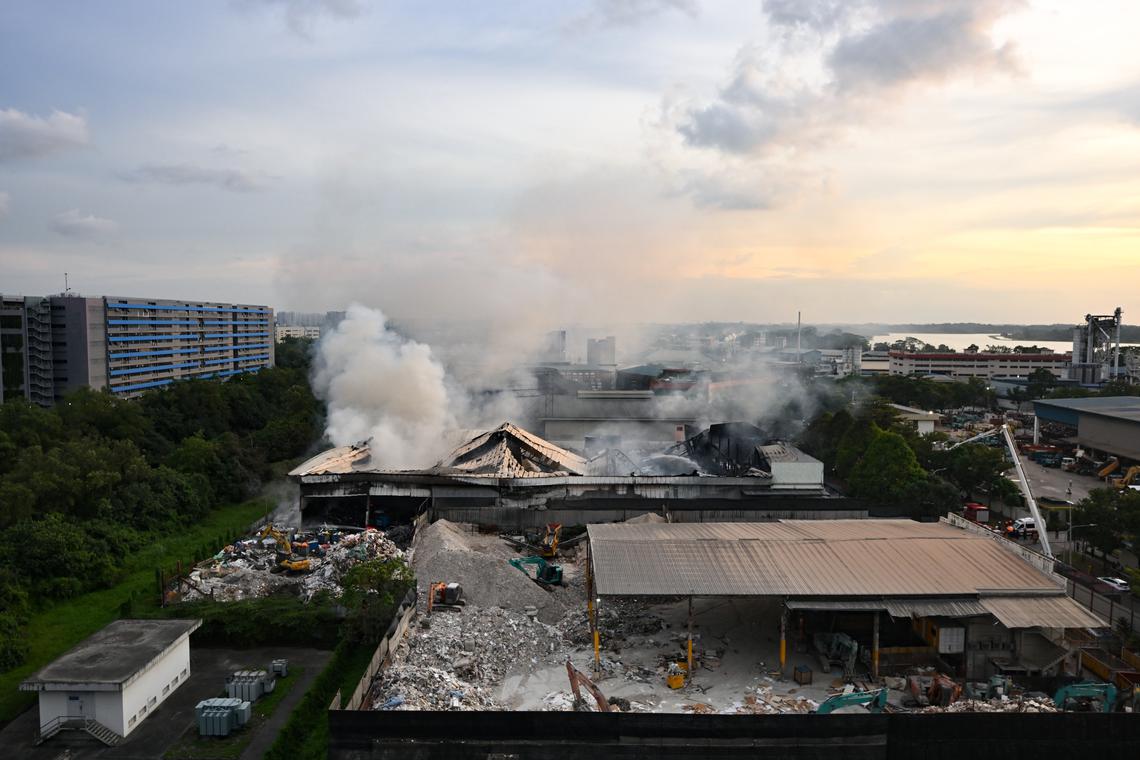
[875, 648]
[783, 638]
[690, 643]
[1036, 430]
[592, 611]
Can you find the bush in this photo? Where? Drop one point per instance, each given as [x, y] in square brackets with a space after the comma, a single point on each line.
[275, 621]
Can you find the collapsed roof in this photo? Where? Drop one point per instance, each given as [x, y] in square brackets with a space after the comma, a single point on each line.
[509, 451]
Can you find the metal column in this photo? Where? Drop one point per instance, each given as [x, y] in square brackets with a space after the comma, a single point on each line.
[783, 637]
[875, 648]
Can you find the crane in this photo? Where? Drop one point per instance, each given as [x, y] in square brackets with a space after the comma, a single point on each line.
[1022, 481]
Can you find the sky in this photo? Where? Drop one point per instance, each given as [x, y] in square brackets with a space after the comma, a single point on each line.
[579, 162]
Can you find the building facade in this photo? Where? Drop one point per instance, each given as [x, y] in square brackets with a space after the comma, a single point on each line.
[311, 332]
[52, 346]
[976, 365]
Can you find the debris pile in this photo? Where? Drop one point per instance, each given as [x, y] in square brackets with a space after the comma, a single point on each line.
[253, 567]
[478, 648]
[444, 553]
[764, 702]
[1027, 705]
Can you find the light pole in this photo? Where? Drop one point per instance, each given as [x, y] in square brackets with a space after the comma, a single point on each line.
[1069, 537]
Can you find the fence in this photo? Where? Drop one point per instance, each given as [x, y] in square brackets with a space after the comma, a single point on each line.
[395, 633]
[1110, 609]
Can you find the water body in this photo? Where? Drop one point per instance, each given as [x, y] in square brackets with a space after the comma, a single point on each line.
[959, 341]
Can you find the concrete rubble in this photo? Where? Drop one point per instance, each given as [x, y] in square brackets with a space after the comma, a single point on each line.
[249, 568]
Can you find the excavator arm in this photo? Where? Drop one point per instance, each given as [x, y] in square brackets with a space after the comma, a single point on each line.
[579, 680]
[875, 701]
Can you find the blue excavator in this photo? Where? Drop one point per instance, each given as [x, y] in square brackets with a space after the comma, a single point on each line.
[1078, 693]
[874, 700]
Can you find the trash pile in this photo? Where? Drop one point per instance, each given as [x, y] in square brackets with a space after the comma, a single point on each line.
[764, 702]
[477, 646]
[275, 561]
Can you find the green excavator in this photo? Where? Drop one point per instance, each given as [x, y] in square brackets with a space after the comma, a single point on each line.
[1077, 693]
[546, 574]
[875, 701]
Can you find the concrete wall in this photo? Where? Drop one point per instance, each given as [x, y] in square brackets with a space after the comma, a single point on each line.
[797, 474]
[152, 688]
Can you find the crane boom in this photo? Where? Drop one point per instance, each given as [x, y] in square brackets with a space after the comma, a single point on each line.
[1022, 482]
[1042, 533]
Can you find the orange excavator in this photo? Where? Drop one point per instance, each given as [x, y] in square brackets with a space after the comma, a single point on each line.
[445, 596]
[578, 681]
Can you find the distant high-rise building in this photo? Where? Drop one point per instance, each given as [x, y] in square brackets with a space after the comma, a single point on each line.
[601, 351]
[297, 331]
[51, 346]
[554, 347]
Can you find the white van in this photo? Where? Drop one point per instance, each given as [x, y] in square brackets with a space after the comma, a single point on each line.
[1024, 525]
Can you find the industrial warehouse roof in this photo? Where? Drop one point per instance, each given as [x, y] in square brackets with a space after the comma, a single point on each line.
[1125, 408]
[1024, 612]
[805, 558]
[113, 657]
[783, 453]
[511, 452]
[507, 451]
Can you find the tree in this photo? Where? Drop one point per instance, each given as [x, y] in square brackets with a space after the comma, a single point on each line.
[1101, 512]
[974, 465]
[1041, 381]
[931, 497]
[372, 591]
[888, 470]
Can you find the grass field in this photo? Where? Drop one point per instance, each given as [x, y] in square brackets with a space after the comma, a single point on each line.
[55, 630]
[194, 747]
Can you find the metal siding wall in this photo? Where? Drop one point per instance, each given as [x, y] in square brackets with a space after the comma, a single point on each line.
[1114, 436]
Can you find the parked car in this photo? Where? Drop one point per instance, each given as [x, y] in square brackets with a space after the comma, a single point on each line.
[1117, 583]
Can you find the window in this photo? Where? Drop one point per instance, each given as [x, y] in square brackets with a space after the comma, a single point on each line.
[142, 711]
[165, 690]
[175, 681]
[152, 701]
[184, 672]
[134, 719]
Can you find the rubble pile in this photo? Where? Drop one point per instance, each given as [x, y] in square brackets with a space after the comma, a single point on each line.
[1027, 705]
[443, 553]
[473, 650]
[250, 568]
[764, 702]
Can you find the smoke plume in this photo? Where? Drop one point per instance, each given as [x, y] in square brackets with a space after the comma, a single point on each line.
[382, 386]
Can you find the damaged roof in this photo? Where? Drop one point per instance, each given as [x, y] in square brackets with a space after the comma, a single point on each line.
[509, 451]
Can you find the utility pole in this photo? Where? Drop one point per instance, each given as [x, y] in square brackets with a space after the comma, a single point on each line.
[799, 356]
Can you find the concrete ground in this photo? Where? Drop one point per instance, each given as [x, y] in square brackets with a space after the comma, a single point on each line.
[156, 734]
[744, 633]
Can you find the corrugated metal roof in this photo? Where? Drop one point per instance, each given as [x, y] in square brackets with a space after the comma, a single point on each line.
[1043, 611]
[338, 461]
[836, 605]
[955, 608]
[855, 558]
[783, 452]
[509, 451]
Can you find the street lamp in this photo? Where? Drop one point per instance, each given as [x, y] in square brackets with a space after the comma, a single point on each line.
[1069, 537]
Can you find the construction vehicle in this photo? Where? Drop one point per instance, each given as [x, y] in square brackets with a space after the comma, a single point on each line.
[874, 700]
[1084, 693]
[549, 546]
[1109, 468]
[836, 649]
[284, 545]
[1126, 480]
[294, 565]
[546, 574]
[445, 596]
[578, 681]
[1022, 481]
[996, 688]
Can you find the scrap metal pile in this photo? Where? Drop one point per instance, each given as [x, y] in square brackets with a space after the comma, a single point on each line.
[259, 566]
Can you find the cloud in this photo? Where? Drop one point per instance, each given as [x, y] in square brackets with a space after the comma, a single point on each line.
[73, 224]
[606, 14]
[235, 180]
[789, 93]
[4, 198]
[301, 15]
[25, 136]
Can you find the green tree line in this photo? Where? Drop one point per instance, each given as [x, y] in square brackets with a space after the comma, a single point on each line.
[88, 481]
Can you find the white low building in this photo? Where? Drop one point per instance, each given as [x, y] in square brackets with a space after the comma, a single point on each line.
[923, 420]
[113, 680]
[792, 468]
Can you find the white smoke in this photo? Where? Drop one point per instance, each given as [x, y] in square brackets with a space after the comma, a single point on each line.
[382, 386]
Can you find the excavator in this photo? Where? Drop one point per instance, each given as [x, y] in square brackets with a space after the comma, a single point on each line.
[578, 681]
[445, 596]
[549, 546]
[875, 701]
[836, 649]
[546, 574]
[1109, 468]
[1104, 693]
[1127, 479]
